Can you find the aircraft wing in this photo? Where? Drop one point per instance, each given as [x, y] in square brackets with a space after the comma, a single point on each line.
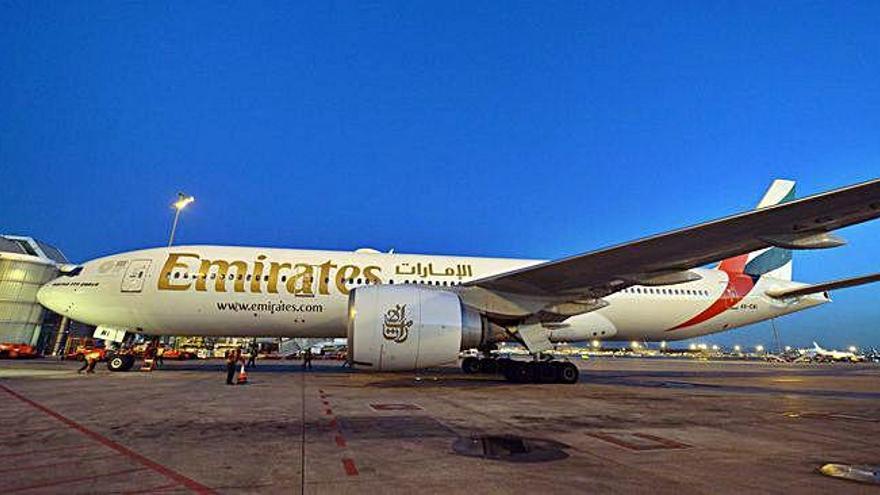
[662, 259]
[835, 284]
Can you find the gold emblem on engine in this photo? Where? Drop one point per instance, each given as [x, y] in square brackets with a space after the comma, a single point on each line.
[396, 326]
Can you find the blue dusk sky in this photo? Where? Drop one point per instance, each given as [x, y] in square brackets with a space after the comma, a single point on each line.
[522, 129]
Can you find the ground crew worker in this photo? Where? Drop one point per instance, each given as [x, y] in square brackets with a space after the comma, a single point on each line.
[252, 359]
[90, 359]
[307, 358]
[160, 356]
[231, 360]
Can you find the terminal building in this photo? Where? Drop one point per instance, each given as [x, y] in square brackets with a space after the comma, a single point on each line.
[25, 265]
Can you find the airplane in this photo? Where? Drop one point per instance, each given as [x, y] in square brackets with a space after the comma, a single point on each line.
[411, 311]
[817, 353]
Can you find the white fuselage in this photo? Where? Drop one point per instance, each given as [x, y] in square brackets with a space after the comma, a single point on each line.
[243, 291]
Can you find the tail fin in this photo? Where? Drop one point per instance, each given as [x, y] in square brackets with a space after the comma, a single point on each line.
[773, 261]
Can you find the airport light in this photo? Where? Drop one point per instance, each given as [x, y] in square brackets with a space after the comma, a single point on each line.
[634, 344]
[787, 348]
[853, 349]
[595, 344]
[737, 348]
[759, 348]
[714, 347]
[182, 201]
[703, 347]
[663, 345]
[692, 347]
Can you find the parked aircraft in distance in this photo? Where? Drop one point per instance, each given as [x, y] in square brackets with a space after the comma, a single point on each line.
[817, 353]
[405, 311]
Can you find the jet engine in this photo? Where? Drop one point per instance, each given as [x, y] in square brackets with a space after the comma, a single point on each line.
[404, 327]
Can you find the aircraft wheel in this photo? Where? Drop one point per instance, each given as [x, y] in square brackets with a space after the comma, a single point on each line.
[502, 364]
[489, 366]
[568, 373]
[546, 372]
[520, 372]
[470, 365]
[120, 363]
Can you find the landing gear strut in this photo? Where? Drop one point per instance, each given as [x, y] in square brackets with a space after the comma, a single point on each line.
[523, 371]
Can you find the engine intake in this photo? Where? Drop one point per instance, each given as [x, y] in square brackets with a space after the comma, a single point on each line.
[399, 327]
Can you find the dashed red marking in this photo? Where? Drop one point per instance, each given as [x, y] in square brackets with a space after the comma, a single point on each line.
[639, 441]
[350, 467]
[328, 412]
[193, 485]
[340, 441]
[326, 403]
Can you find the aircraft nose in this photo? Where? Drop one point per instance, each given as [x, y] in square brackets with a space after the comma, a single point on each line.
[52, 297]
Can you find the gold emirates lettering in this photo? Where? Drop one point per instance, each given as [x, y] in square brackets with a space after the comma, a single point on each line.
[299, 279]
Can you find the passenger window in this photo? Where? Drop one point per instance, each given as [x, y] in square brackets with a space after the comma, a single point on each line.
[176, 274]
[284, 278]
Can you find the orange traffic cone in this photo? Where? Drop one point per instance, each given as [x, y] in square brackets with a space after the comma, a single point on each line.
[242, 376]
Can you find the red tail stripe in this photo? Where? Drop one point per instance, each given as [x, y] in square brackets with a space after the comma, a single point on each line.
[738, 286]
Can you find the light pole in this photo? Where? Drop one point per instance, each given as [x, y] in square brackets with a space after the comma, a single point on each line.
[182, 201]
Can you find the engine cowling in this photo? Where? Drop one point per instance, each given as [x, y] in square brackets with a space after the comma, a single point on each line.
[403, 327]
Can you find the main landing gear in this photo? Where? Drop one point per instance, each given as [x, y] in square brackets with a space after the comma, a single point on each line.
[523, 371]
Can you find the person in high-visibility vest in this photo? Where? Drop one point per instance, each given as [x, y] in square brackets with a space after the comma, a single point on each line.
[90, 359]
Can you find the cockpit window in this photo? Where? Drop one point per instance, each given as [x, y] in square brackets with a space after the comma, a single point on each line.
[72, 273]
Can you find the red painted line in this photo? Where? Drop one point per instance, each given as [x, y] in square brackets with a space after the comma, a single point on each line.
[164, 471]
[74, 480]
[328, 412]
[326, 403]
[350, 468]
[738, 287]
[340, 441]
[76, 460]
[666, 442]
[43, 451]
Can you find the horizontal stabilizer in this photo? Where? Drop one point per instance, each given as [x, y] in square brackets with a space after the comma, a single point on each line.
[835, 284]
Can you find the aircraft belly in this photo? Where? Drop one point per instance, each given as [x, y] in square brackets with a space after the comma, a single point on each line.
[648, 319]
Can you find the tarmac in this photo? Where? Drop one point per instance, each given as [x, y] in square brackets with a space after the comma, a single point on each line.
[630, 426]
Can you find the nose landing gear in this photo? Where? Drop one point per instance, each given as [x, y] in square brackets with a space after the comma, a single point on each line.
[120, 362]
